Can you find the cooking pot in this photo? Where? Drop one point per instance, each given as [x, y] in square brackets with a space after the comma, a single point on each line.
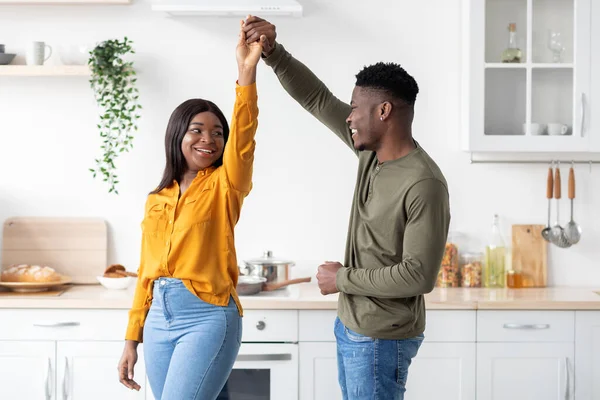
[249, 285]
[273, 269]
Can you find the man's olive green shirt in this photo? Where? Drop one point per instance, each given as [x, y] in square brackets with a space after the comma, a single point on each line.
[398, 223]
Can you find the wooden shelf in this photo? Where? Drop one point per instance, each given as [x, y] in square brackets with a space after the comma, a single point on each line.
[44, 70]
[65, 2]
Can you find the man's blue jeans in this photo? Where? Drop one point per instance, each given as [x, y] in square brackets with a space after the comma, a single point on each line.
[373, 369]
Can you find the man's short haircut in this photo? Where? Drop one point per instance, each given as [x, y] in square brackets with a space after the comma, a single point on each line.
[390, 78]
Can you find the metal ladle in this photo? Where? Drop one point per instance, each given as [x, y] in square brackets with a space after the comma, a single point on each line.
[572, 229]
[547, 231]
[558, 234]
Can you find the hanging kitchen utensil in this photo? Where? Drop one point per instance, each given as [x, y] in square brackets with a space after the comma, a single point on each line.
[547, 231]
[558, 234]
[572, 229]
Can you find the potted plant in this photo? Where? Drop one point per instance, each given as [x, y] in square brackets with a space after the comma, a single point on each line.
[114, 83]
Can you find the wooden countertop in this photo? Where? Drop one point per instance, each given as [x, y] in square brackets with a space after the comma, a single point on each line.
[307, 297]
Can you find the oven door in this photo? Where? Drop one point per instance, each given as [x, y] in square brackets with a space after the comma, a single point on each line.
[263, 371]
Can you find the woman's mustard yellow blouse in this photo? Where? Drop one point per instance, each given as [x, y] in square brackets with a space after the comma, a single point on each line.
[191, 238]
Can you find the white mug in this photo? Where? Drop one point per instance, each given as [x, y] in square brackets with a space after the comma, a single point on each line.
[557, 129]
[36, 53]
[535, 129]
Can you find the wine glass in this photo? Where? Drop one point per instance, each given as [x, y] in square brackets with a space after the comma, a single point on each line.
[555, 45]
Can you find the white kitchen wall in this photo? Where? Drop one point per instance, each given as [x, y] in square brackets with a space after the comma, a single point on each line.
[304, 177]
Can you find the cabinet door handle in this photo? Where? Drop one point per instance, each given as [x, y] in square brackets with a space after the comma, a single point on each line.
[66, 380]
[582, 114]
[567, 378]
[49, 380]
[526, 326]
[264, 357]
[56, 324]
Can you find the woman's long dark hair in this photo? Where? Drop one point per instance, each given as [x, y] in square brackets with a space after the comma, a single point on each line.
[179, 123]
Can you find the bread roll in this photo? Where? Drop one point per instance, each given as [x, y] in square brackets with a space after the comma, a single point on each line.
[30, 273]
[117, 271]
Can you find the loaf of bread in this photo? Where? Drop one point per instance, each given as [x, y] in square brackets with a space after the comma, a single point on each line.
[29, 273]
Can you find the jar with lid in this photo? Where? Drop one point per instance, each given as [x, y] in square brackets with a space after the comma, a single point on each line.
[471, 268]
[449, 270]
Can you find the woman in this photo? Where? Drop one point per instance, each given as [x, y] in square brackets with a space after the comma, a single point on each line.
[185, 307]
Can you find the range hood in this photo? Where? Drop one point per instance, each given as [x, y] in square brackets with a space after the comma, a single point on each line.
[229, 8]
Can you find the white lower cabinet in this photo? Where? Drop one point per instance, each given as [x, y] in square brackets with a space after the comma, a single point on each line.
[88, 371]
[525, 355]
[27, 370]
[318, 372]
[525, 371]
[447, 355]
[442, 371]
[64, 354]
[452, 365]
[48, 370]
[587, 355]
[466, 355]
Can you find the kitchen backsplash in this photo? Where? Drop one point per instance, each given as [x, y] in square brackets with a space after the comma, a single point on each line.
[303, 176]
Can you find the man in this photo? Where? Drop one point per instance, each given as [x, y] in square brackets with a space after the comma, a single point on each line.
[398, 223]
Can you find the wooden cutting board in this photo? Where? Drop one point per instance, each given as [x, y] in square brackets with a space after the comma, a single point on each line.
[529, 253]
[75, 247]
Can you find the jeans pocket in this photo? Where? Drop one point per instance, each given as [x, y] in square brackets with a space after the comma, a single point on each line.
[356, 337]
[240, 330]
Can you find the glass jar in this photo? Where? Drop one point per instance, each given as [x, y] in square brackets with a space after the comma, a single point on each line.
[448, 274]
[471, 268]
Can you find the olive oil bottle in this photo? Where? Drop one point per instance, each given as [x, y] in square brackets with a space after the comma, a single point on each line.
[512, 54]
[494, 274]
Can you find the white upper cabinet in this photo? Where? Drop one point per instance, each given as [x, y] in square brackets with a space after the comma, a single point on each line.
[526, 76]
[595, 106]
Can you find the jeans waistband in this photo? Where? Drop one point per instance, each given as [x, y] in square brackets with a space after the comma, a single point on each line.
[167, 281]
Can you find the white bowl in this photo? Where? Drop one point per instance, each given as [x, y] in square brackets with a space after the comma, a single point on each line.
[74, 54]
[115, 283]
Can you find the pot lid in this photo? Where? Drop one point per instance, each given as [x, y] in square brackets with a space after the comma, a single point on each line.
[267, 258]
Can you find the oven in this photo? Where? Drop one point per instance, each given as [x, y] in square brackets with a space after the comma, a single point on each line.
[267, 364]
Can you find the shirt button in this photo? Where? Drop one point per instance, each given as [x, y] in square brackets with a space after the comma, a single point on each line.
[167, 242]
[377, 168]
[163, 282]
[170, 221]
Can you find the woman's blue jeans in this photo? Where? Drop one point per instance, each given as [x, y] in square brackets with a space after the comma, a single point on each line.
[190, 346]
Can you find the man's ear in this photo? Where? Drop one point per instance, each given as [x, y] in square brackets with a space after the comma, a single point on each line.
[385, 109]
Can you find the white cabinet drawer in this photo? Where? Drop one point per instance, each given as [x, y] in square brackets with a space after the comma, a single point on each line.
[270, 326]
[450, 326]
[441, 326]
[317, 325]
[525, 326]
[55, 324]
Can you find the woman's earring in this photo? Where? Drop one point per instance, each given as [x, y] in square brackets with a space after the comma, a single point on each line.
[381, 118]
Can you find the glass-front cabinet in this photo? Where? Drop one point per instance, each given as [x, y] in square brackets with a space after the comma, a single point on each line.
[527, 75]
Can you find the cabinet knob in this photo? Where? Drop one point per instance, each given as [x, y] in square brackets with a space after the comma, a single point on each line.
[260, 325]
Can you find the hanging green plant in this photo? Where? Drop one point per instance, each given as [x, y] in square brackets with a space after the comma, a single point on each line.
[114, 83]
